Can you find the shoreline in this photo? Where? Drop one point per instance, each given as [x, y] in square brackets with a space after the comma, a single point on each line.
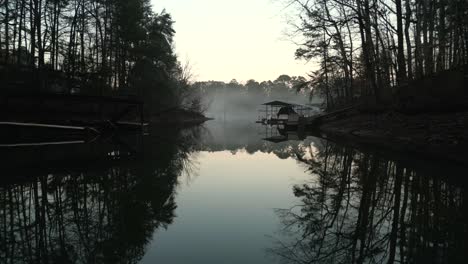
[34, 131]
[179, 117]
[436, 135]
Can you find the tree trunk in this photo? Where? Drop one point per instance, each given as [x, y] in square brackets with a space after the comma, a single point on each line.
[7, 32]
[368, 46]
[32, 32]
[431, 14]
[417, 36]
[442, 33]
[20, 30]
[401, 73]
[37, 22]
[339, 40]
[408, 39]
[82, 42]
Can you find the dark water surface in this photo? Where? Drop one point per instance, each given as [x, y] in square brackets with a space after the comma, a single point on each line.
[221, 194]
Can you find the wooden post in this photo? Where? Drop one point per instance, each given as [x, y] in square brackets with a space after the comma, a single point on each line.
[142, 115]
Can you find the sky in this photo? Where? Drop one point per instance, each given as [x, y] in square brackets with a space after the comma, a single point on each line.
[233, 39]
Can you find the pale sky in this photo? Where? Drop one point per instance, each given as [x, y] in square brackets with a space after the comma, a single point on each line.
[233, 39]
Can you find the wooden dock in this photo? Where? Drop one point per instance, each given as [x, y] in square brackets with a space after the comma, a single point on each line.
[311, 121]
[51, 119]
[72, 112]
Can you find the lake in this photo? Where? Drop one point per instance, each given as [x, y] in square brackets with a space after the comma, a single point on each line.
[221, 193]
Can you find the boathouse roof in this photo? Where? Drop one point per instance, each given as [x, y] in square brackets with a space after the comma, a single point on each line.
[287, 110]
[278, 104]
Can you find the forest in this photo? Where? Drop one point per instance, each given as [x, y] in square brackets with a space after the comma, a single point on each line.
[373, 51]
[94, 47]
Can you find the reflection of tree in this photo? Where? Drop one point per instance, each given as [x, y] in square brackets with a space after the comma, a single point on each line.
[105, 214]
[362, 208]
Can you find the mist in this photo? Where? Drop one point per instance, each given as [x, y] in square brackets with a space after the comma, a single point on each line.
[235, 101]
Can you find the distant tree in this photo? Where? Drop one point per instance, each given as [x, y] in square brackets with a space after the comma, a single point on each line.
[283, 79]
[254, 88]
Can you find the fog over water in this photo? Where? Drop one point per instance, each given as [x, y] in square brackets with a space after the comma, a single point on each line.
[236, 101]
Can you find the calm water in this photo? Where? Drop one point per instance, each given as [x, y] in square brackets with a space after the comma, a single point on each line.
[221, 194]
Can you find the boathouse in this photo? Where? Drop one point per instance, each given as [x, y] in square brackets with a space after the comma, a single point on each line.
[278, 112]
[287, 113]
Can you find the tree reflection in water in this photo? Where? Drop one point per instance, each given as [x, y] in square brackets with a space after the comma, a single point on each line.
[97, 214]
[362, 208]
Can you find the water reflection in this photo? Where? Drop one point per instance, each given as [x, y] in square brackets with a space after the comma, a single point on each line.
[109, 202]
[361, 207]
[251, 138]
[105, 210]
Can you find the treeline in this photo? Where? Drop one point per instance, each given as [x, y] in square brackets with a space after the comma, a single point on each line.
[99, 45]
[366, 48]
[245, 98]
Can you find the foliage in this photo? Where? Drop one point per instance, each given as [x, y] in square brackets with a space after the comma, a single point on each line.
[366, 48]
[100, 47]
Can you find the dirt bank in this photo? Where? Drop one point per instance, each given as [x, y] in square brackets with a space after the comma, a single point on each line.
[442, 135]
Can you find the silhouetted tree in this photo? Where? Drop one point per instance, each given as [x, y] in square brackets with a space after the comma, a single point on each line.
[97, 46]
[376, 45]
